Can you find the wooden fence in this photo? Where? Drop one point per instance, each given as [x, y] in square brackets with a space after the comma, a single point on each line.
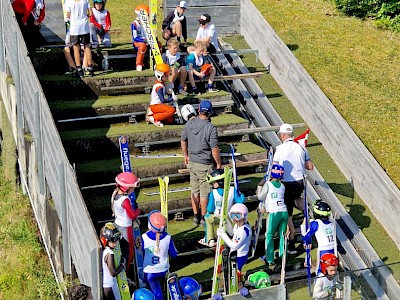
[371, 182]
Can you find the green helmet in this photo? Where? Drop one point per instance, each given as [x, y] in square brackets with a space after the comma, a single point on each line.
[259, 279]
[217, 175]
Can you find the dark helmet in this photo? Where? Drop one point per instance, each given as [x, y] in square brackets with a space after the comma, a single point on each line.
[321, 209]
[218, 175]
[109, 233]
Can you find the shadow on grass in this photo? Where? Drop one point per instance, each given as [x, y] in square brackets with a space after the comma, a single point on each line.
[274, 95]
[293, 47]
[356, 212]
[345, 189]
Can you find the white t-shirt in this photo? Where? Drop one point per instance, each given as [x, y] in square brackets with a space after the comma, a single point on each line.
[292, 157]
[108, 280]
[79, 19]
[155, 263]
[121, 216]
[208, 31]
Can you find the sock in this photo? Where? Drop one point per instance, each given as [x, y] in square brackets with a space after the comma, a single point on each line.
[180, 88]
[179, 39]
[210, 86]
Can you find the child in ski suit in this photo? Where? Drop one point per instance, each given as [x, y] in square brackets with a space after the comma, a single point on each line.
[157, 245]
[272, 197]
[109, 237]
[159, 111]
[240, 241]
[197, 67]
[326, 280]
[124, 213]
[173, 58]
[214, 206]
[323, 229]
[100, 24]
[139, 37]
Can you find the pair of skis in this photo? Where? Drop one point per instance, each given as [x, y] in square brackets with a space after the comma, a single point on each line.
[258, 223]
[137, 236]
[122, 280]
[217, 275]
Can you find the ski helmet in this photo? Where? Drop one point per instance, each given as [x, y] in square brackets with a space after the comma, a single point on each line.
[190, 288]
[100, 1]
[277, 171]
[109, 233]
[140, 7]
[321, 209]
[259, 279]
[162, 70]
[157, 221]
[328, 260]
[218, 176]
[206, 69]
[143, 294]
[188, 111]
[238, 211]
[126, 180]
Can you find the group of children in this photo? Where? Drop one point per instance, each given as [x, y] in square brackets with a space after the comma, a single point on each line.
[158, 246]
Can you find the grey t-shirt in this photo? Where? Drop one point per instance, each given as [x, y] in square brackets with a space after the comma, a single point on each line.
[201, 136]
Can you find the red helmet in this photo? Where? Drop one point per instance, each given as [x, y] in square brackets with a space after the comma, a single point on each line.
[157, 221]
[206, 69]
[126, 180]
[328, 260]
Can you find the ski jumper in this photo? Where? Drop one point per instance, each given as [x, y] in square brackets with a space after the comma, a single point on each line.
[324, 232]
[139, 41]
[100, 24]
[214, 208]
[240, 242]
[161, 111]
[109, 276]
[322, 287]
[156, 265]
[273, 193]
[124, 214]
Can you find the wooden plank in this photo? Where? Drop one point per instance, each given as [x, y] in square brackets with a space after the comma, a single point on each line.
[217, 78]
[238, 164]
[260, 129]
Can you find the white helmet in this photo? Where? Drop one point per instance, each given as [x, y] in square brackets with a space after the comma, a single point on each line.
[187, 110]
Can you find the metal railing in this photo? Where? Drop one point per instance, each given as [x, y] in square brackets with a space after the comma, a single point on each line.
[43, 163]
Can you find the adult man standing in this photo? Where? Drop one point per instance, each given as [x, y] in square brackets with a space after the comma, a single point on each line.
[296, 161]
[199, 142]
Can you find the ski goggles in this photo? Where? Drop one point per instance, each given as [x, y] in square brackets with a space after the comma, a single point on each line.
[115, 238]
[235, 216]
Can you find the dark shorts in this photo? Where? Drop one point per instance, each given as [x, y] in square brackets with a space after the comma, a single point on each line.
[80, 39]
[293, 190]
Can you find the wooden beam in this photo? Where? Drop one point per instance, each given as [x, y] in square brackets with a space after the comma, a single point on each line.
[217, 78]
[238, 164]
[260, 129]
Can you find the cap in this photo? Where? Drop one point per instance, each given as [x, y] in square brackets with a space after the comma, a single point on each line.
[286, 128]
[182, 4]
[205, 19]
[205, 106]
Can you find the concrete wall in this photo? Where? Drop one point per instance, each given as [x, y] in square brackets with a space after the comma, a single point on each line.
[371, 182]
[225, 14]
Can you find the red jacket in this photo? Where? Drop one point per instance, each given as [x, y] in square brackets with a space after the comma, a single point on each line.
[25, 8]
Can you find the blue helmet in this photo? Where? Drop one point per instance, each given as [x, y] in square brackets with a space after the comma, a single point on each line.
[277, 171]
[190, 288]
[143, 294]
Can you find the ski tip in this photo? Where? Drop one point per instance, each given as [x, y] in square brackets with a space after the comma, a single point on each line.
[123, 139]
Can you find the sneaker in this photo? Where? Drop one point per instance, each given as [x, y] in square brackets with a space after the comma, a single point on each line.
[211, 243]
[202, 222]
[79, 72]
[195, 221]
[139, 68]
[212, 90]
[42, 50]
[183, 92]
[71, 71]
[291, 248]
[196, 92]
[89, 72]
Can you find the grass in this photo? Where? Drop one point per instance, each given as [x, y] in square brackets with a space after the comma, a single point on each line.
[24, 266]
[355, 64]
